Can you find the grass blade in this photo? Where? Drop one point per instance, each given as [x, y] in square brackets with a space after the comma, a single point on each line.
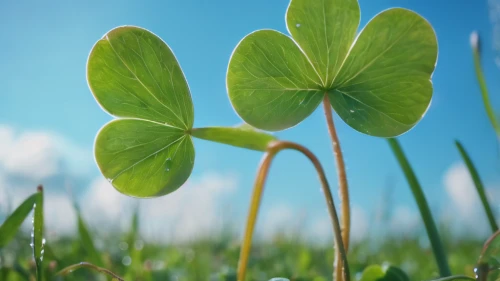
[455, 277]
[38, 240]
[474, 41]
[12, 224]
[479, 186]
[74, 267]
[425, 212]
[87, 241]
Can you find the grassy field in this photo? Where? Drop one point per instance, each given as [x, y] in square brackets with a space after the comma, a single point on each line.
[216, 259]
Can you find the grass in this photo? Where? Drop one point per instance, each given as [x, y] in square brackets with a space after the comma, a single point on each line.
[212, 258]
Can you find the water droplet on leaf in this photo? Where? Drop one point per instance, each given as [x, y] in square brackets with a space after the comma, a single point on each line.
[297, 25]
[168, 164]
[352, 111]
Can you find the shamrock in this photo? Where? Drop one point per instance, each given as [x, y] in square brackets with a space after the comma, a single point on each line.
[148, 151]
[378, 82]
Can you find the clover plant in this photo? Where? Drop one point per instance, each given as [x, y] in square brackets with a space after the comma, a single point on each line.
[378, 82]
[148, 151]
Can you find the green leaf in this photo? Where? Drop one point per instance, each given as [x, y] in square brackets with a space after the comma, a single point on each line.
[325, 30]
[134, 75]
[270, 83]
[384, 86]
[383, 273]
[38, 239]
[479, 186]
[12, 224]
[142, 158]
[242, 136]
[379, 86]
[372, 273]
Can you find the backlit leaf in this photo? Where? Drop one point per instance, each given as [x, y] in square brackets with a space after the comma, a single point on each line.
[134, 75]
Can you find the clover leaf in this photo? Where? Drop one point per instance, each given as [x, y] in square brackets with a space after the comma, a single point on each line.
[383, 273]
[379, 83]
[148, 151]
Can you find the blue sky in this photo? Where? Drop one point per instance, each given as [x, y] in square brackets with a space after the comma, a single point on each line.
[42, 68]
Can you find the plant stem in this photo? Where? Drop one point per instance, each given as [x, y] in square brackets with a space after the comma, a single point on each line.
[479, 186]
[345, 214]
[425, 212]
[482, 83]
[260, 180]
[74, 267]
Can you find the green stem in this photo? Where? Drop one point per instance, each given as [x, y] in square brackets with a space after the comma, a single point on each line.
[482, 83]
[479, 186]
[260, 180]
[455, 277]
[425, 211]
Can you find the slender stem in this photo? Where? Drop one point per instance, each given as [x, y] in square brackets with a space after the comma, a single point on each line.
[345, 214]
[74, 267]
[260, 180]
[482, 83]
[455, 277]
[425, 211]
[479, 186]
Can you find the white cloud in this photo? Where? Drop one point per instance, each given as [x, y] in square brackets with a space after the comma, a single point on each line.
[280, 219]
[466, 211]
[38, 155]
[322, 229]
[460, 187]
[195, 210]
[360, 224]
[404, 221]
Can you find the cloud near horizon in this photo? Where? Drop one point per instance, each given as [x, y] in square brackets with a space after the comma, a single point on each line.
[201, 207]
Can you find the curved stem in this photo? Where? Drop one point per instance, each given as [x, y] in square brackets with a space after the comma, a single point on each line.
[345, 214]
[74, 267]
[260, 180]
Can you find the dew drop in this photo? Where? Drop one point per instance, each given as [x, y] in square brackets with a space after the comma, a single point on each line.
[352, 111]
[43, 241]
[127, 260]
[32, 245]
[110, 180]
[297, 25]
[168, 164]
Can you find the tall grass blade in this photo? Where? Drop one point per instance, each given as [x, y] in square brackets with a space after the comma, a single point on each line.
[476, 53]
[38, 240]
[479, 186]
[12, 224]
[425, 212]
